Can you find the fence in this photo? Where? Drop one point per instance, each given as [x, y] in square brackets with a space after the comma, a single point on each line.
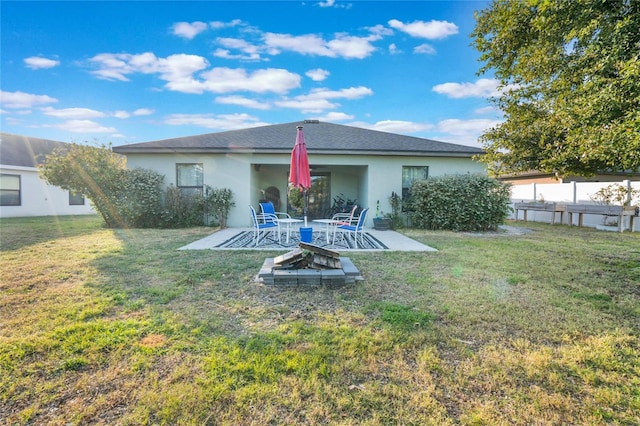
[572, 192]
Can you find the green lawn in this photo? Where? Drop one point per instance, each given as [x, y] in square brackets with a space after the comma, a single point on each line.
[102, 326]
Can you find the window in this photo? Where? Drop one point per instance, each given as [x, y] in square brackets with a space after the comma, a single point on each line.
[76, 199]
[411, 174]
[189, 177]
[10, 193]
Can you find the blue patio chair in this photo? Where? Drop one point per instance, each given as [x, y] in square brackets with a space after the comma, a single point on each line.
[353, 230]
[264, 223]
[268, 209]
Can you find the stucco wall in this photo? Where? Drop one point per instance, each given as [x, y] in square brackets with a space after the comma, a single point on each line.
[40, 199]
[367, 178]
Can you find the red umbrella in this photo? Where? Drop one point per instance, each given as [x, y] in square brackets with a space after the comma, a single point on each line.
[299, 174]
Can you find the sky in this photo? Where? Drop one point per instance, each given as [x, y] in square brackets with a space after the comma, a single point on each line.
[127, 72]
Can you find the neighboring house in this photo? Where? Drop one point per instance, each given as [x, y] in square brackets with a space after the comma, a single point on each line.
[351, 162]
[22, 191]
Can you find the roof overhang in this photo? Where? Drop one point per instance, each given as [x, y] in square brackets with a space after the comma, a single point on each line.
[156, 150]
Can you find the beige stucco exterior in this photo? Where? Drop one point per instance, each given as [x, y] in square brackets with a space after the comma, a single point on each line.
[367, 178]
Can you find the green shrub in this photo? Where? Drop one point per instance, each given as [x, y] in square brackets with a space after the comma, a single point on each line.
[182, 209]
[460, 203]
[140, 200]
[218, 202]
[395, 216]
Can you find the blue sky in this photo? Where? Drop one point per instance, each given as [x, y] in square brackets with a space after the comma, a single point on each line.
[128, 72]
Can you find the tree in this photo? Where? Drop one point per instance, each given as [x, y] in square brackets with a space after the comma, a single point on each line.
[123, 197]
[570, 79]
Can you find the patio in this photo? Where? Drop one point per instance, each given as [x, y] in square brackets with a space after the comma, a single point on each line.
[377, 241]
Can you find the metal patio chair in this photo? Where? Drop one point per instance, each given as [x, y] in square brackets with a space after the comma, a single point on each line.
[264, 223]
[353, 230]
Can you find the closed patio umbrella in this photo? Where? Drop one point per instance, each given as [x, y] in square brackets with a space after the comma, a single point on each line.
[299, 173]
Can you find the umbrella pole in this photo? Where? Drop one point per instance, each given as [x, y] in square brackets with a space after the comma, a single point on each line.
[305, 194]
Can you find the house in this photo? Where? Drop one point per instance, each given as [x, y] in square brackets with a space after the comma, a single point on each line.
[22, 191]
[350, 162]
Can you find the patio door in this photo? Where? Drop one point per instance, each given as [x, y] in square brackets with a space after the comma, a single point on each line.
[319, 197]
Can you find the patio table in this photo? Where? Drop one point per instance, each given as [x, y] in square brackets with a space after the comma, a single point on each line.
[288, 222]
[328, 223]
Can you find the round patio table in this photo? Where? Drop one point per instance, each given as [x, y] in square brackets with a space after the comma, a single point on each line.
[328, 223]
[288, 222]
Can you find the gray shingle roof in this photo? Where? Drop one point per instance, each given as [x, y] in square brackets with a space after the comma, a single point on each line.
[320, 138]
[25, 151]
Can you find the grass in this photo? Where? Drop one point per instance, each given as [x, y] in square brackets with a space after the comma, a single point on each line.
[101, 326]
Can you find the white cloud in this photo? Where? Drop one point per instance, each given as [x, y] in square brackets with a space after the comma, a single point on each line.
[212, 121]
[458, 131]
[126, 114]
[380, 30]
[350, 47]
[327, 3]
[250, 52]
[21, 100]
[393, 49]
[317, 74]
[400, 126]
[332, 3]
[425, 48]
[482, 88]
[464, 132]
[431, 30]
[83, 126]
[486, 110]
[174, 68]
[335, 116]
[224, 80]
[237, 43]
[226, 54]
[188, 30]
[143, 111]
[219, 24]
[350, 93]
[308, 44]
[321, 99]
[343, 45]
[458, 127]
[38, 62]
[179, 72]
[307, 105]
[242, 101]
[72, 113]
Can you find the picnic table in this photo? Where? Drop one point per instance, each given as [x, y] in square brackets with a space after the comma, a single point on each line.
[606, 210]
[541, 207]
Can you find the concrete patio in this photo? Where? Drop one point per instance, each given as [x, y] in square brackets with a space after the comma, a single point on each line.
[393, 240]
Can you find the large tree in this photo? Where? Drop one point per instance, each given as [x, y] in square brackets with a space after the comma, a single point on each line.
[570, 77]
[123, 197]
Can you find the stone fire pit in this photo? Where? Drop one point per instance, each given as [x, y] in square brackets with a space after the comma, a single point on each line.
[309, 266]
